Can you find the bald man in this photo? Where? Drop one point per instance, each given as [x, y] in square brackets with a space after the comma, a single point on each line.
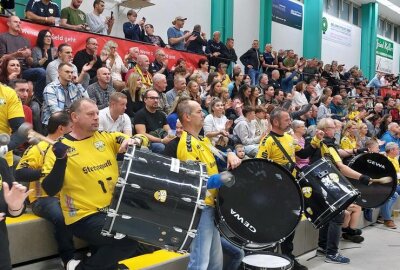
[142, 68]
[101, 90]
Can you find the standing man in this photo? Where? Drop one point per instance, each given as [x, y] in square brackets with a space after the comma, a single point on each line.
[101, 90]
[215, 49]
[86, 184]
[176, 38]
[74, 18]
[251, 61]
[133, 30]
[42, 11]
[229, 52]
[97, 22]
[113, 117]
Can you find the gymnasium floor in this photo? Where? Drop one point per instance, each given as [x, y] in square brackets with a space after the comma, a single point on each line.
[380, 250]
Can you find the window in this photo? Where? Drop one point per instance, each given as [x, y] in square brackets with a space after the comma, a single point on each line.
[355, 16]
[332, 7]
[388, 30]
[345, 11]
[395, 37]
[381, 27]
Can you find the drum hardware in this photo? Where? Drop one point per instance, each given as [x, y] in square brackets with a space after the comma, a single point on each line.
[177, 229]
[122, 182]
[323, 174]
[119, 236]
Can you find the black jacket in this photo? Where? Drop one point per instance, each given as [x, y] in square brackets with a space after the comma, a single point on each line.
[251, 57]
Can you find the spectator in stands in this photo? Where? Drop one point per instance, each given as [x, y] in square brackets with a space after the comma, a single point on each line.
[378, 109]
[176, 38]
[229, 52]
[251, 62]
[319, 88]
[133, 91]
[290, 60]
[337, 109]
[222, 74]
[74, 18]
[391, 135]
[89, 55]
[324, 110]
[100, 91]
[216, 125]
[29, 170]
[202, 68]
[10, 69]
[181, 68]
[270, 61]
[142, 68]
[131, 57]
[215, 49]
[177, 91]
[349, 140]
[246, 132]
[299, 131]
[362, 137]
[351, 220]
[160, 64]
[152, 123]
[44, 52]
[254, 96]
[279, 97]
[97, 22]
[113, 118]
[299, 98]
[35, 106]
[15, 45]
[60, 94]
[275, 79]
[244, 94]
[151, 38]
[376, 83]
[21, 87]
[263, 82]
[233, 87]
[197, 40]
[288, 81]
[65, 56]
[269, 93]
[193, 91]
[43, 11]
[131, 29]
[160, 85]
[216, 89]
[116, 65]
[260, 123]
[373, 123]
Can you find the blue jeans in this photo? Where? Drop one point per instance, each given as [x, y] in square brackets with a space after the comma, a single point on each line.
[329, 235]
[386, 209]
[157, 147]
[108, 251]
[49, 208]
[206, 249]
[234, 253]
[38, 77]
[253, 75]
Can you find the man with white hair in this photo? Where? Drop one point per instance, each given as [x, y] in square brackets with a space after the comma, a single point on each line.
[215, 49]
[391, 135]
[160, 85]
[131, 57]
[142, 68]
[375, 83]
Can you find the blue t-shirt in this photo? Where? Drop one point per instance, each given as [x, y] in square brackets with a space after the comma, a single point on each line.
[176, 33]
[42, 10]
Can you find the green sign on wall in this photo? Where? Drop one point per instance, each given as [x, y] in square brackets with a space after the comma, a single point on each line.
[384, 48]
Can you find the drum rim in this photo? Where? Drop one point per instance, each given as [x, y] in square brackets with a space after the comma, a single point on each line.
[286, 267]
[220, 218]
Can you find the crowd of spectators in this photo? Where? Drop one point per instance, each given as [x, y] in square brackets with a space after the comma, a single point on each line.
[136, 96]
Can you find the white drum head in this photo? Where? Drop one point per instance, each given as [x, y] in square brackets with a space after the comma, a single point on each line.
[266, 261]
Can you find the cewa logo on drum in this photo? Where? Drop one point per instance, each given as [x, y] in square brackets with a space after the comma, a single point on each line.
[244, 222]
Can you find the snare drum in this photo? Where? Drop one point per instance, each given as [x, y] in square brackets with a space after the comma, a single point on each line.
[374, 165]
[326, 192]
[267, 261]
[262, 208]
[157, 200]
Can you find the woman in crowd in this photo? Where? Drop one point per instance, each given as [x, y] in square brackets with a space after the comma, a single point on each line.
[254, 96]
[233, 87]
[362, 137]
[299, 98]
[181, 63]
[216, 124]
[193, 91]
[246, 79]
[202, 68]
[10, 69]
[323, 110]
[349, 137]
[116, 65]
[44, 52]
[299, 130]
[134, 94]
[386, 120]
[226, 100]
[244, 94]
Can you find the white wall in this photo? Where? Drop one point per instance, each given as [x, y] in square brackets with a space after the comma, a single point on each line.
[246, 25]
[346, 52]
[285, 37]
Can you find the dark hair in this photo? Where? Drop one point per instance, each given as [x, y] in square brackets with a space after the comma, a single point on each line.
[147, 92]
[241, 95]
[57, 119]
[149, 25]
[40, 39]
[197, 28]
[247, 109]
[60, 66]
[211, 77]
[229, 39]
[14, 82]
[3, 69]
[299, 86]
[97, 2]
[202, 61]
[212, 89]
[235, 75]
[62, 46]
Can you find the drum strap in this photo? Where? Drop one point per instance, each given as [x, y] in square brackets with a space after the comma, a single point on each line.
[292, 165]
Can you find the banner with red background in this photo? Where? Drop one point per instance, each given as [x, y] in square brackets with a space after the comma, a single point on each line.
[77, 40]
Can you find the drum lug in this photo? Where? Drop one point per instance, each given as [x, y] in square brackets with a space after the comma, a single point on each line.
[177, 229]
[186, 199]
[106, 233]
[112, 213]
[300, 175]
[119, 236]
[135, 186]
[201, 204]
[192, 233]
[125, 217]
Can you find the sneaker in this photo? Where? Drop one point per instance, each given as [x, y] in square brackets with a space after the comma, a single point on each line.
[320, 252]
[368, 214]
[351, 231]
[390, 224]
[72, 264]
[337, 258]
[298, 266]
[353, 238]
[380, 220]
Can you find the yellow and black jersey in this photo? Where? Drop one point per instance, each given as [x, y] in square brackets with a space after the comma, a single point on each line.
[348, 143]
[191, 148]
[34, 158]
[10, 107]
[90, 175]
[331, 153]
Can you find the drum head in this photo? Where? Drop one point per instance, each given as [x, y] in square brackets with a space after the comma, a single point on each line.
[263, 207]
[375, 166]
[266, 260]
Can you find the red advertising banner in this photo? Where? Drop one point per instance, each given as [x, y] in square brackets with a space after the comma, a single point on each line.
[78, 40]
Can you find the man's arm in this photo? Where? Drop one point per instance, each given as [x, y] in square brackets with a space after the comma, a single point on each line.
[95, 28]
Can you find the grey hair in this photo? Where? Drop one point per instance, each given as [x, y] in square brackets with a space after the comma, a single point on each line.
[390, 145]
[297, 123]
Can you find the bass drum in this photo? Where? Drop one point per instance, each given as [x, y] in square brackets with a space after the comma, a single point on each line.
[374, 165]
[262, 208]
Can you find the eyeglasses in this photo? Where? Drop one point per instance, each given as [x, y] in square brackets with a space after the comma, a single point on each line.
[48, 36]
[153, 98]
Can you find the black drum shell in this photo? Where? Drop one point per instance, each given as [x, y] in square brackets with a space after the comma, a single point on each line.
[265, 198]
[374, 165]
[326, 192]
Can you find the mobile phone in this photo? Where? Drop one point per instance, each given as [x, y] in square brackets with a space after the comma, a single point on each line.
[112, 14]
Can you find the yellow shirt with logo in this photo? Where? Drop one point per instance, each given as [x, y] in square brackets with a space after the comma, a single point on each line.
[90, 175]
[191, 148]
[396, 165]
[331, 153]
[34, 158]
[348, 143]
[10, 107]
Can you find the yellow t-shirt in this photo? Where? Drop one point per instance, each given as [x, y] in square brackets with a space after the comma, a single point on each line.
[331, 153]
[34, 158]
[348, 143]
[10, 107]
[225, 82]
[395, 163]
[268, 149]
[191, 148]
[90, 175]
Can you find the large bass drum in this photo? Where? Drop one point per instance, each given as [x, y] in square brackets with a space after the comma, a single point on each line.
[157, 200]
[262, 208]
[374, 165]
[326, 192]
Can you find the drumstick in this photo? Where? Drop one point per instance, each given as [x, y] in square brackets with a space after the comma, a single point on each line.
[26, 130]
[383, 180]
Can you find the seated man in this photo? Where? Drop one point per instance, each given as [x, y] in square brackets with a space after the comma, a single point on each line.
[101, 90]
[113, 117]
[59, 95]
[152, 123]
[142, 68]
[179, 88]
[42, 11]
[29, 169]
[14, 44]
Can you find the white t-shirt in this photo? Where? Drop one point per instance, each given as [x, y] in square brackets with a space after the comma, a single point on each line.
[299, 99]
[122, 124]
[212, 124]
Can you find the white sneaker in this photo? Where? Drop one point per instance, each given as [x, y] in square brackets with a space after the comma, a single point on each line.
[72, 264]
